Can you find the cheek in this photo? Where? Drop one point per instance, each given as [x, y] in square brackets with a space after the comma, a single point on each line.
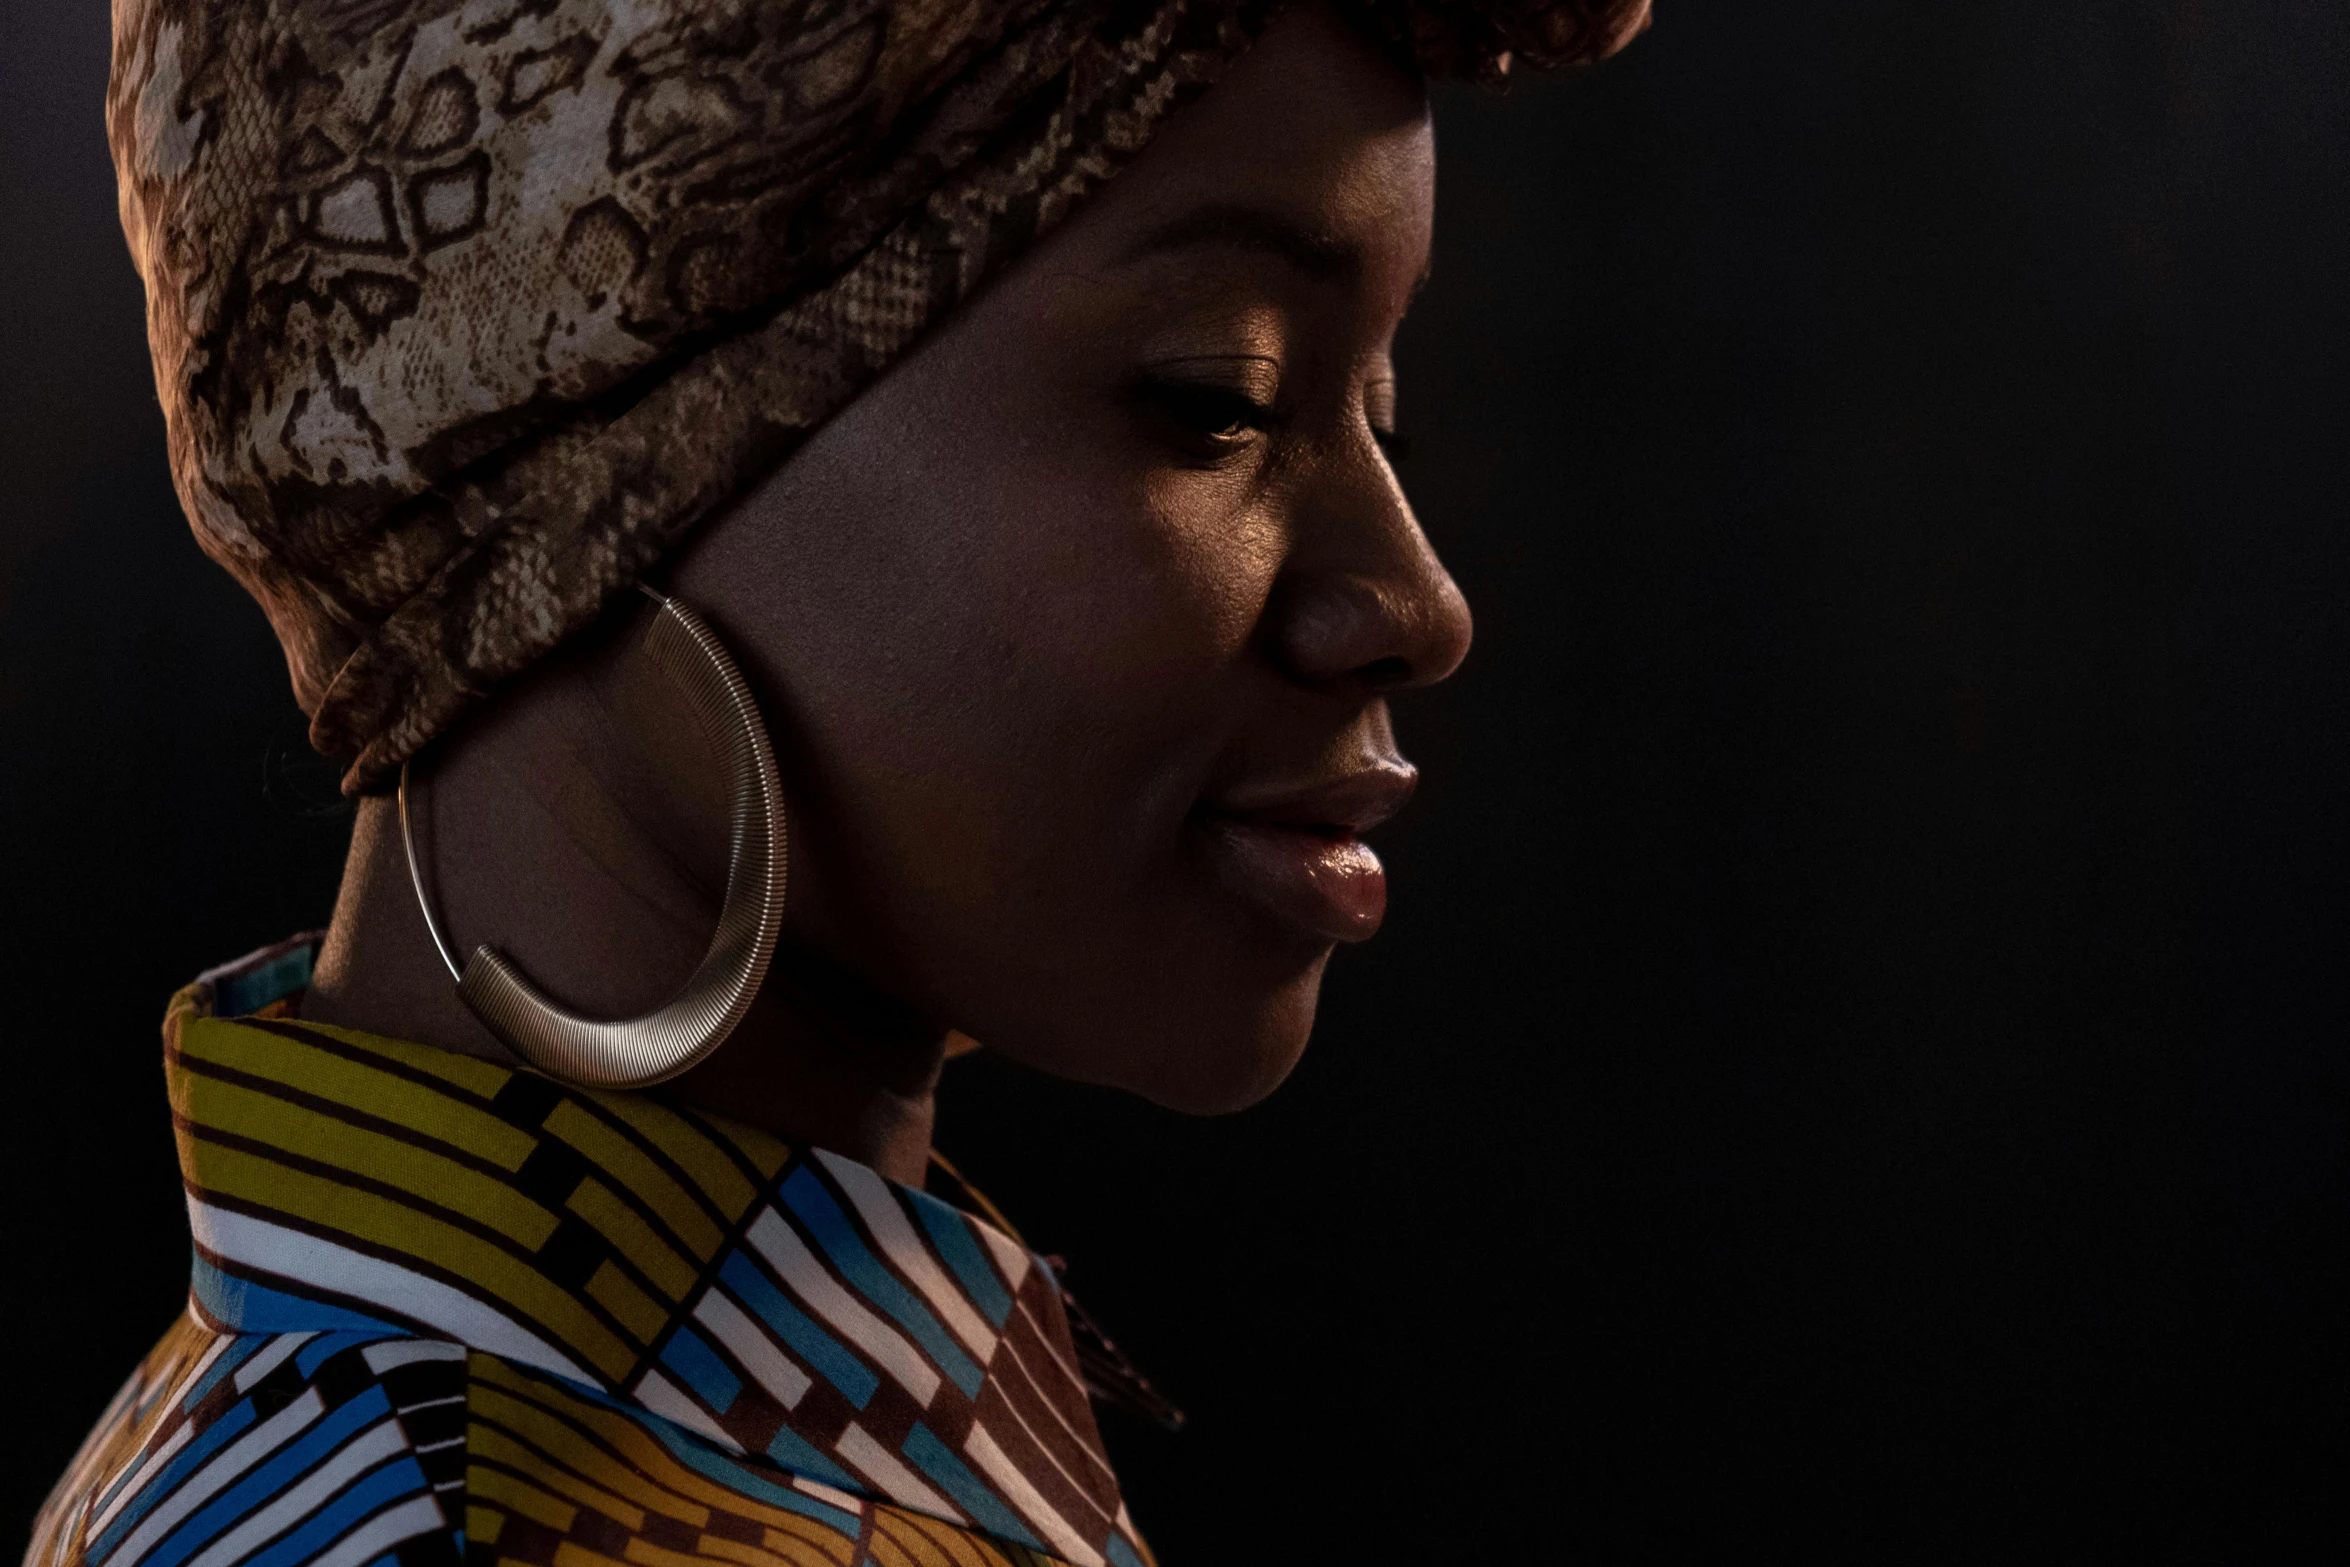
[1010, 645]
[1060, 659]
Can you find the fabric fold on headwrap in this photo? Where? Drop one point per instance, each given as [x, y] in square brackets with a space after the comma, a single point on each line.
[465, 312]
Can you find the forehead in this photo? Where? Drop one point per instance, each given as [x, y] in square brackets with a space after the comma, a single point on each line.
[1315, 150]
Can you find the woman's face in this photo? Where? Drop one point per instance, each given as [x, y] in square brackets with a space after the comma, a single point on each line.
[1076, 632]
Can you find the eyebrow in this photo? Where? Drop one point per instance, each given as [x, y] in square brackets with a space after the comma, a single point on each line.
[1252, 228]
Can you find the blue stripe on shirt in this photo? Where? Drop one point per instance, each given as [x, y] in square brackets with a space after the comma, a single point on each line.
[935, 1459]
[367, 1494]
[312, 1353]
[231, 1358]
[800, 1456]
[167, 1480]
[806, 1196]
[811, 1343]
[950, 1231]
[248, 1307]
[264, 1483]
[706, 1461]
[693, 1359]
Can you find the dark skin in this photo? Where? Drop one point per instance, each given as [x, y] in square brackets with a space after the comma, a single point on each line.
[1075, 636]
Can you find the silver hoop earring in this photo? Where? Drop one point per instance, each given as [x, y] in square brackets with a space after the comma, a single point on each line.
[638, 1052]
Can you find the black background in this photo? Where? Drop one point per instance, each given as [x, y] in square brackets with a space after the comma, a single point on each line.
[1857, 1063]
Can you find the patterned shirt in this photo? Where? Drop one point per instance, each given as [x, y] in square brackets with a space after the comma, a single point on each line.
[445, 1309]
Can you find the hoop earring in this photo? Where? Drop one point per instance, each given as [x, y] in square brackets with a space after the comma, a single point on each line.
[638, 1052]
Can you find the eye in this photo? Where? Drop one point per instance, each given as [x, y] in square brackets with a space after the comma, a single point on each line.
[1394, 443]
[1205, 419]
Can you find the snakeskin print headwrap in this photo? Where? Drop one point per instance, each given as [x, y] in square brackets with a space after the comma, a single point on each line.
[464, 312]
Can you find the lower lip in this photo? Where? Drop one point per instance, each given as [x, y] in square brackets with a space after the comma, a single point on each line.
[1334, 887]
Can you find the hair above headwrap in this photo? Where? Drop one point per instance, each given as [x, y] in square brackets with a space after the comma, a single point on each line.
[465, 312]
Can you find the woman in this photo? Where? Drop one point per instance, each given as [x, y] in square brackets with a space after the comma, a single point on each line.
[1063, 648]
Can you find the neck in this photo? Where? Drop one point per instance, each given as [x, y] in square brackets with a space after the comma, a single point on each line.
[579, 832]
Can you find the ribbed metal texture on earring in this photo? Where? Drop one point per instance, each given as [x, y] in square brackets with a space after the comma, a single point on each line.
[638, 1052]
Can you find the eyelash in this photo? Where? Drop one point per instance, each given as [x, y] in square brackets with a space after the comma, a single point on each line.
[1222, 418]
[1216, 414]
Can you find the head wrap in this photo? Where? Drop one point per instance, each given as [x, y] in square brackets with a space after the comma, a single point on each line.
[464, 312]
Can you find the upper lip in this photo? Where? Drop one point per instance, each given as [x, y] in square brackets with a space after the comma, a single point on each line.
[1353, 802]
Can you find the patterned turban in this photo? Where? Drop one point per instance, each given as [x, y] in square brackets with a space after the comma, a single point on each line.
[464, 312]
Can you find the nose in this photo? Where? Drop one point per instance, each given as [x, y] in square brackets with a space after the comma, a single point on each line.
[1363, 598]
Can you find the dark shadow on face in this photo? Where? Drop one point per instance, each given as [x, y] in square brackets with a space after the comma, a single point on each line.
[1076, 631]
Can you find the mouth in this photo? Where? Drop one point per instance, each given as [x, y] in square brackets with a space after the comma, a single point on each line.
[1296, 849]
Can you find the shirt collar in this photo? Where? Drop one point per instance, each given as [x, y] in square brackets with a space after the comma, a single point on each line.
[786, 1304]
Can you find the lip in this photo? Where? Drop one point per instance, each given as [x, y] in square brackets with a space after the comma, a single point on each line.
[1295, 850]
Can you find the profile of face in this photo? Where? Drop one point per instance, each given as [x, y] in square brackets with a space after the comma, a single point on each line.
[1076, 631]
[1075, 635]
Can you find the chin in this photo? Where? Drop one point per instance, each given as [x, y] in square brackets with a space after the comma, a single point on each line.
[1218, 1059]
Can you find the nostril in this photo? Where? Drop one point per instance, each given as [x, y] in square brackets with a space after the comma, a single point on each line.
[1366, 633]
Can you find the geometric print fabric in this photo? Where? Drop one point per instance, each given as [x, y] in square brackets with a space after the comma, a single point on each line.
[271, 1450]
[444, 1307]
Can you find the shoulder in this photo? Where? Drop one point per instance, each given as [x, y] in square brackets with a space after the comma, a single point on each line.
[271, 1450]
[354, 1449]
[562, 1476]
